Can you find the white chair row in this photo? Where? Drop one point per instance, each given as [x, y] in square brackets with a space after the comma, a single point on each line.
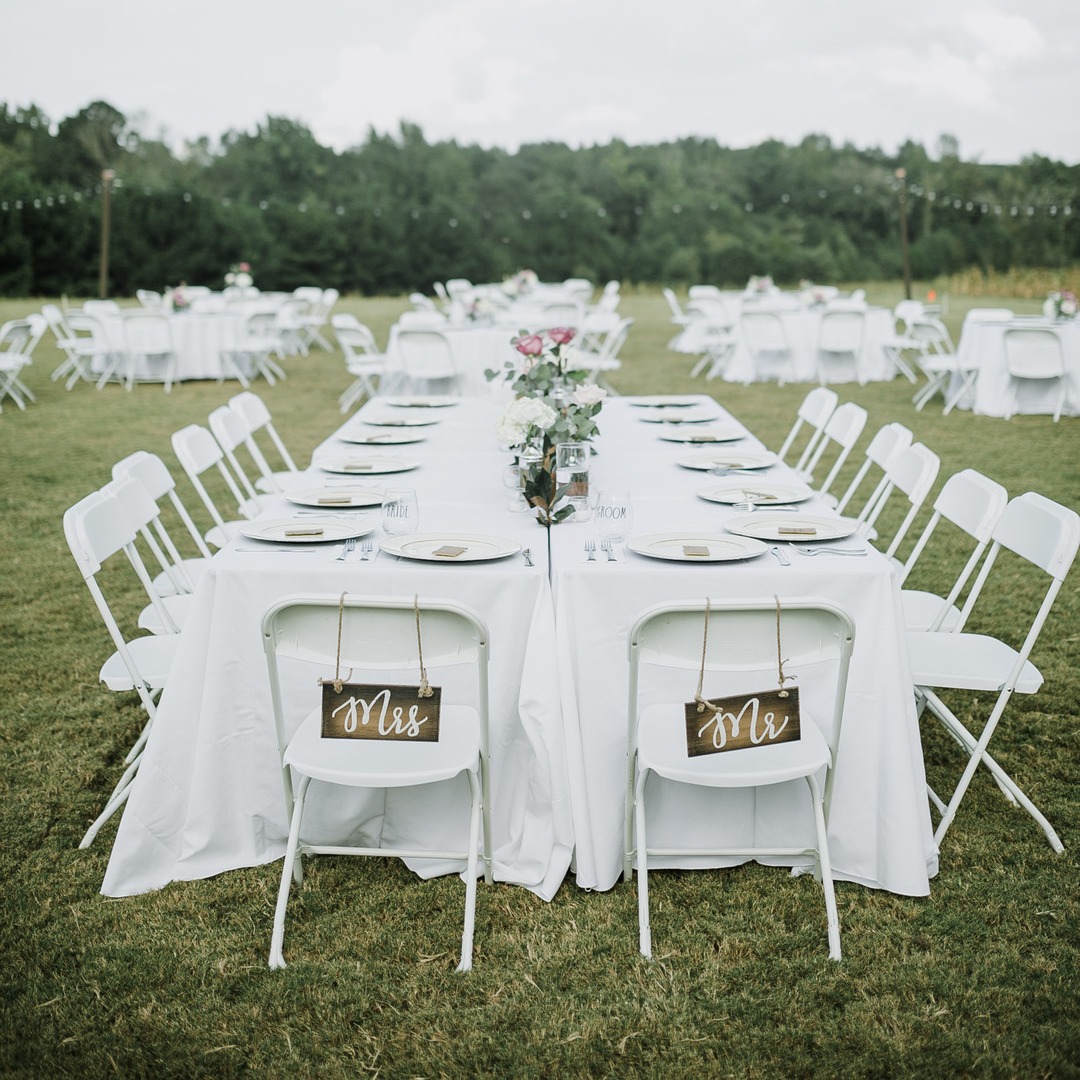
[18, 339]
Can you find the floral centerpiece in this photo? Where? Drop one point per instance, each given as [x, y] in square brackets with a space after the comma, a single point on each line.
[480, 310]
[1061, 305]
[520, 284]
[761, 286]
[240, 275]
[176, 299]
[553, 404]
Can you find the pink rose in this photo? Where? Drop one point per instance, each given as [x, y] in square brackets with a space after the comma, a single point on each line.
[529, 345]
[244, 268]
[561, 335]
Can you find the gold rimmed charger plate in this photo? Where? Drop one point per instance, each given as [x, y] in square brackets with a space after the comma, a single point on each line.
[696, 545]
[792, 528]
[692, 433]
[660, 401]
[431, 401]
[729, 459]
[402, 421]
[336, 498]
[679, 416]
[308, 531]
[443, 547]
[368, 466]
[382, 438]
[763, 492]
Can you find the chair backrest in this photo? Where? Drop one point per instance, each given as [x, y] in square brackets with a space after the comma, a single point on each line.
[563, 313]
[974, 503]
[198, 452]
[421, 320]
[15, 335]
[148, 332]
[912, 472]
[932, 335]
[355, 340]
[677, 314]
[149, 299]
[101, 308]
[741, 653]
[814, 411]
[255, 417]
[230, 431]
[841, 331]
[376, 635]
[908, 310]
[150, 471]
[884, 446]
[842, 430]
[425, 354]
[1033, 353]
[764, 332]
[422, 302]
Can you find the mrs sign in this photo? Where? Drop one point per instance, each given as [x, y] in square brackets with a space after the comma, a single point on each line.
[389, 713]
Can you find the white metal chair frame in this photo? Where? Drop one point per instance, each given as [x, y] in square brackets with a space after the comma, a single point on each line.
[973, 503]
[842, 430]
[841, 334]
[363, 361]
[814, 412]
[1045, 534]
[884, 446]
[911, 472]
[426, 356]
[1045, 364]
[936, 358]
[255, 417]
[767, 341]
[380, 633]
[742, 638]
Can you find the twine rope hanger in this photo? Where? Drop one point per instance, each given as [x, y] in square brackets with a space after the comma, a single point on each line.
[702, 702]
[338, 682]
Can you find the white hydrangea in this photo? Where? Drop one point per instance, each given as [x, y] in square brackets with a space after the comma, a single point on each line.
[512, 427]
[588, 394]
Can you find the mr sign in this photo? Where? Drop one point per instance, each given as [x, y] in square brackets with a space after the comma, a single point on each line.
[736, 723]
[396, 713]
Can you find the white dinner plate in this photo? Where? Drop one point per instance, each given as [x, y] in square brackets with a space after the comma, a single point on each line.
[383, 438]
[342, 498]
[694, 545]
[747, 489]
[432, 401]
[679, 416]
[446, 547]
[307, 531]
[693, 434]
[399, 421]
[797, 528]
[660, 401]
[368, 466]
[731, 459]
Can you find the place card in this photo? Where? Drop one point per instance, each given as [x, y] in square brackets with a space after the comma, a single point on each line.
[796, 530]
[695, 551]
[314, 531]
[449, 551]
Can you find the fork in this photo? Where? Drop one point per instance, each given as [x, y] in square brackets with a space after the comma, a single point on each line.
[347, 549]
[365, 550]
[606, 547]
[811, 551]
[590, 550]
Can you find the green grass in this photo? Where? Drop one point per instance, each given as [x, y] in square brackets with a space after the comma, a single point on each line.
[980, 978]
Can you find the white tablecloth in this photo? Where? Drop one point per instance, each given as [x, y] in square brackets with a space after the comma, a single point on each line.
[880, 831]
[476, 347]
[982, 345]
[208, 795]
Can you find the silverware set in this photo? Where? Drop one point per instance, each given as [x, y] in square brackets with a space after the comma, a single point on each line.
[606, 546]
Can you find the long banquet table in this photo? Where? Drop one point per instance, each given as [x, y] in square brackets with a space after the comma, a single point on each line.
[208, 798]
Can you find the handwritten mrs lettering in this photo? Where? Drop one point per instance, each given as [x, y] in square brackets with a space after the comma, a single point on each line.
[741, 722]
[374, 712]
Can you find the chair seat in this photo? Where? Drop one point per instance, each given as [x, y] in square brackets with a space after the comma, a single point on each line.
[921, 609]
[177, 606]
[153, 657]
[662, 748]
[967, 662]
[371, 763]
[193, 568]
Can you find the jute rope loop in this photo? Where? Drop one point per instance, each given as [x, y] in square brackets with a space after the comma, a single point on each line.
[425, 690]
[702, 702]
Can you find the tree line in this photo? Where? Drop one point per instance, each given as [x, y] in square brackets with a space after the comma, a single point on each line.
[396, 213]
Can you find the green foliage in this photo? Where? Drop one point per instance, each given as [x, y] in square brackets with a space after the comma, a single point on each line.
[397, 213]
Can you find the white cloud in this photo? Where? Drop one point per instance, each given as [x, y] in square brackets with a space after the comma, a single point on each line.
[1005, 39]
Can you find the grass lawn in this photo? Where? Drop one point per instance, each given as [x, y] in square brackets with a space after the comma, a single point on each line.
[980, 978]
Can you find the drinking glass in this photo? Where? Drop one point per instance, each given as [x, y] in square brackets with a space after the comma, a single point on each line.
[400, 512]
[572, 472]
[614, 515]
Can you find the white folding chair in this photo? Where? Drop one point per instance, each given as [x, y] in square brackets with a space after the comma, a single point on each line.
[606, 358]
[840, 346]
[148, 341]
[95, 533]
[935, 357]
[767, 341]
[79, 349]
[1046, 535]
[884, 446]
[18, 337]
[912, 472]
[255, 417]
[814, 412]
[151, 472]
[1034, 354]
[427, 361]
[258, 340]
[382, 636]
[200, 454]
[741, 639]
[230, 430]
[973, 503]
[842, 433]
[363, 361]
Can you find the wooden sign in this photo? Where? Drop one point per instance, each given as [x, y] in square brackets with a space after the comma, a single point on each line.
[395, 713]
[739, 722]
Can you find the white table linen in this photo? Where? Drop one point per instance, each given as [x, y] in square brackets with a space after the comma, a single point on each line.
[880, 833]
[982, 346]
[208, 795]
[475, 347]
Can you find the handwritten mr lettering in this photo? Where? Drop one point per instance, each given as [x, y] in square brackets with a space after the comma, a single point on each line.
[392, 713]
[737, 723]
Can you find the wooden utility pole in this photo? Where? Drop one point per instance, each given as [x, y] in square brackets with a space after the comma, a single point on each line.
[107, 177]
[905, 254]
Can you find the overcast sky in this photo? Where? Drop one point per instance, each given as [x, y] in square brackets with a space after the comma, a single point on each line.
[1002, 76]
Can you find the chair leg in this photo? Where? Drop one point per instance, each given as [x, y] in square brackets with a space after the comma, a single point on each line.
[277, 959]
[825, 867]
[644, 927]
[465, 963]
[117, 799]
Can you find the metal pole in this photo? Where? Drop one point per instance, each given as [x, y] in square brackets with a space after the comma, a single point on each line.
[107, 177]
[905, 254]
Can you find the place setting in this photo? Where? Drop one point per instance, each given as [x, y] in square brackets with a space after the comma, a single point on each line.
[661, 401]
[696, 545]
[336, 498]
[759, 493]
[400, 420]
[368, 466]
[420, 401]
[729, 460]
[721, 433]
[381, 438]
[305, 535]
[672, 415]
[793, 527]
